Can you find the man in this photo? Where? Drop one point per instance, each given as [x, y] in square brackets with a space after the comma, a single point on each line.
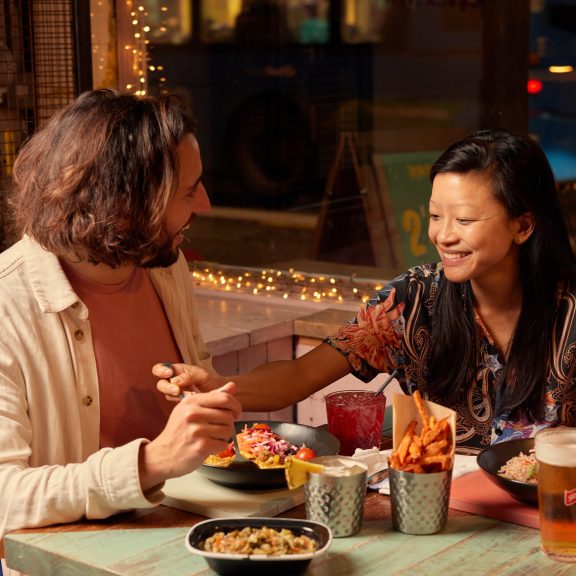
[94, 293]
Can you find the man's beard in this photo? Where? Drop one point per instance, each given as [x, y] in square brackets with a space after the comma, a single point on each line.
[165, 256]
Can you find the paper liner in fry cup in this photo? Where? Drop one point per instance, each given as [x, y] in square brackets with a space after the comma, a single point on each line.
[405, 410]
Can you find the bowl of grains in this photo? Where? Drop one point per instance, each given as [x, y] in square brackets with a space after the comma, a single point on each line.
[511, 466]
[271, 546]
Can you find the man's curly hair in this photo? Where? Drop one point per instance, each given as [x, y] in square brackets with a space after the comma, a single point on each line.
[95, 181]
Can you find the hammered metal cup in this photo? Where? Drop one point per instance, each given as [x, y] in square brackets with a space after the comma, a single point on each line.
[337, 501]
[419, 501]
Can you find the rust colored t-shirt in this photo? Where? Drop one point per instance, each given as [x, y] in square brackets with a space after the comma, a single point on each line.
[130, 333]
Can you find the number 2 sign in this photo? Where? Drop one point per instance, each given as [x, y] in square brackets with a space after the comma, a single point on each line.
[404, 186]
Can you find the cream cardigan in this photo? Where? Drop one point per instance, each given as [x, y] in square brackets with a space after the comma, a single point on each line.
[51, 467]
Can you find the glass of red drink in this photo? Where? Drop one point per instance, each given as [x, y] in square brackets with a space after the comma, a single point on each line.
[355, 417]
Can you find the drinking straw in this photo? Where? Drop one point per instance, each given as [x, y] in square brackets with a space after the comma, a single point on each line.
[386, 382]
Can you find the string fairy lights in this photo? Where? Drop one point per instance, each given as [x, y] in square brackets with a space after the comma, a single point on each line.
[288, 284]
[136, 46]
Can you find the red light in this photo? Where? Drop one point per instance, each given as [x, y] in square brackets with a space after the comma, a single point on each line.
[534, 86]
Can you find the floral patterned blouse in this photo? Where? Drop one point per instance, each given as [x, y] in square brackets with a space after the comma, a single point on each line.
[393, 332]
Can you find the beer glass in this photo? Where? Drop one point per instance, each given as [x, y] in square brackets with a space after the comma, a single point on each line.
[555, 450]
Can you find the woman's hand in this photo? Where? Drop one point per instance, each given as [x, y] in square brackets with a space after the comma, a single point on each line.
[179, 378]
[201, 424]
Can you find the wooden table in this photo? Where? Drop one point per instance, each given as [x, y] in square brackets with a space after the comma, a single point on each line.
[151, 543]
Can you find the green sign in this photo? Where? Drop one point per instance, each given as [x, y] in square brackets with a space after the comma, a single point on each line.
[405, 184]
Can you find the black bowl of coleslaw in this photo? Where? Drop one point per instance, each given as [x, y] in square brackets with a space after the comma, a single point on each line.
[492, 459]
[249, 476]
[199, 541]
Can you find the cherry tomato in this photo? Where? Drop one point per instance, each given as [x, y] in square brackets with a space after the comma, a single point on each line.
[305, 453]
[261, 427]
[228, 452]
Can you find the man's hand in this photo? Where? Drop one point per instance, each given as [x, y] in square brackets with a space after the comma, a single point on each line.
[201, 424]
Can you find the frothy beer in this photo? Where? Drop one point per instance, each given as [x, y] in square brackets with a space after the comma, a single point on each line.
[556, 457]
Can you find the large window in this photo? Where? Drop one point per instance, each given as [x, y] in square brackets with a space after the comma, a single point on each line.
[318, 119]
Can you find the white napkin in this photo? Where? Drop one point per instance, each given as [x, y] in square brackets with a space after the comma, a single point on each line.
[373, 458]
[377, 460]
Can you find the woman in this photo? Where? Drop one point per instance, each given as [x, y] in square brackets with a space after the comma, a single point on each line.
[489, 330]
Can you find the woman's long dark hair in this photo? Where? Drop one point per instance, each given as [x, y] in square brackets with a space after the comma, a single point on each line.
[520, 177]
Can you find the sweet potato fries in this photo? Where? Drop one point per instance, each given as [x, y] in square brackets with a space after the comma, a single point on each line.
[429, 451]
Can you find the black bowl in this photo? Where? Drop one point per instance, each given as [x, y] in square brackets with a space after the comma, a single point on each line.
[493, 458]
[287, 564]
[249, 476]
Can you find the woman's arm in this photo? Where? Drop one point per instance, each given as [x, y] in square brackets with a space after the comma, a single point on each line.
[268, 387]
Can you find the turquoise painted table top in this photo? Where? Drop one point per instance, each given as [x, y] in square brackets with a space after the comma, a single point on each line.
[151, 543]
